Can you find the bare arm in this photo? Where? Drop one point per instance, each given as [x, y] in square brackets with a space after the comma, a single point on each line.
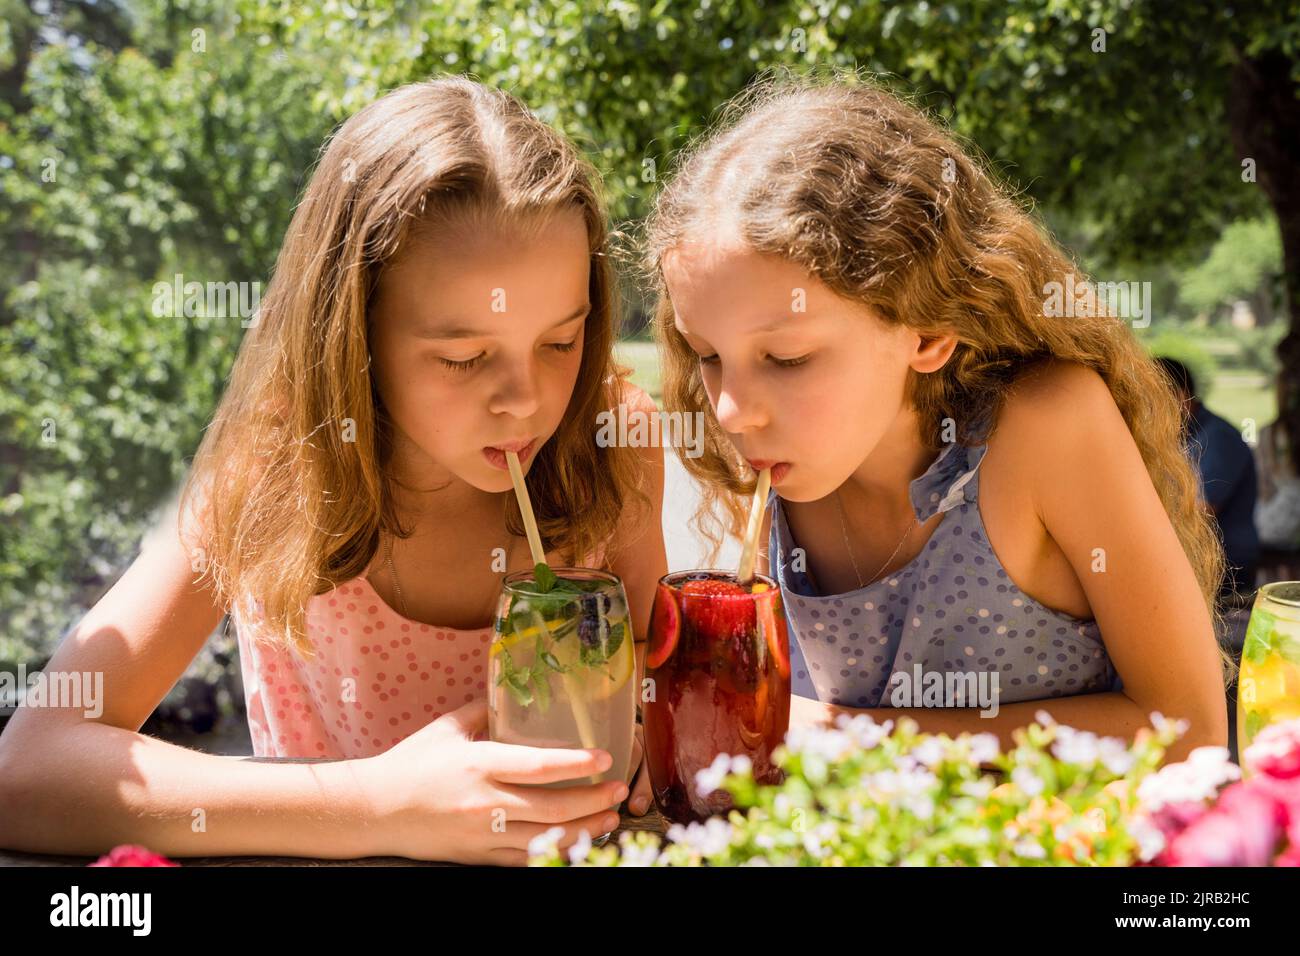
[76, 784]
[1093, 494]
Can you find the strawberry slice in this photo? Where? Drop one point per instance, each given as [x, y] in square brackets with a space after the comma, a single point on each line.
[718, 610]
[665, 628]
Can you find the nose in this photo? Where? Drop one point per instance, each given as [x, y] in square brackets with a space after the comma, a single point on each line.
[738, 406]
[517, 393]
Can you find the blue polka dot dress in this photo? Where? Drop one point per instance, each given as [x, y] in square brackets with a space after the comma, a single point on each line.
[953, 609]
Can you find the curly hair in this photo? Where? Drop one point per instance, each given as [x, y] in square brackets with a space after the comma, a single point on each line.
[878, 201]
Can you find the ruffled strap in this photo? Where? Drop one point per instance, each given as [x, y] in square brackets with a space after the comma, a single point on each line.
[950, 479]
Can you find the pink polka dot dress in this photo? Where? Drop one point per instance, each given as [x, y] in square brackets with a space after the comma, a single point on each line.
[376, 677]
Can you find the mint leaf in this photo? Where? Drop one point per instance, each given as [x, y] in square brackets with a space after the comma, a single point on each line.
[1255, 722]
[544, 576]
[1258, 632]
[1288, 648]
[541, 688]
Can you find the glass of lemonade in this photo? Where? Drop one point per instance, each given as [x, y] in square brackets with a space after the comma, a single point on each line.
[1268, 689]
[562, 663]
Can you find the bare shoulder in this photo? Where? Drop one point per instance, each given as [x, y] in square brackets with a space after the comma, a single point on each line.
[636, 398]
[1056, 406]
[1060, 428]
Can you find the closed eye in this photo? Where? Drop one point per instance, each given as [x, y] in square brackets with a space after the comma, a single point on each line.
[779, 362]
[463, 366]
[790, 362]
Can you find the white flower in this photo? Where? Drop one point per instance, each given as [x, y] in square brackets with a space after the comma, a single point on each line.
[979, 789]
[1044, 718]
[812, 840]
[1160, 722]
[630, 854]
[1029, 848]
[711, 777]
[581, 847]
[1030, 784]
[544, 843]
[984, 748]
[930, 751]
[908, 787]
[1115, 755]
[921, 806]
[1150, 840]
[1078, 747]
[830, 745]
[1194, 780]
[862, 730]
[708, 838]
[1273, 744]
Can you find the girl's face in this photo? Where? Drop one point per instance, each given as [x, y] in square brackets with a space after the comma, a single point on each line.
[799, 378]
[477, 340]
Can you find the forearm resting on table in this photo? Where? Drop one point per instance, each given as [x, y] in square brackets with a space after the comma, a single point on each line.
[1110, 714]
[94, 786]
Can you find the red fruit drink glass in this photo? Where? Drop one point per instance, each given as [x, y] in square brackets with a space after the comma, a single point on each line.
[719, 659]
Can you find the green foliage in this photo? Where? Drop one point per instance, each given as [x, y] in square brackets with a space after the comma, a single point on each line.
[174, 137]
[1247, 256]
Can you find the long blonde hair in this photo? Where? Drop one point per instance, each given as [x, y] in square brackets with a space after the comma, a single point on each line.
[879, 202]
[290, 483]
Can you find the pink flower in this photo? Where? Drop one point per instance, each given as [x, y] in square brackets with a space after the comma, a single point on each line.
[1242, 829]
[1289, 857]
[129, 855]
[1276, 751]
[1173, 818]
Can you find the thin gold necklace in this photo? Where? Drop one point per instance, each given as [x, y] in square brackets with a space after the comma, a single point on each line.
[397, 588]
[849, 545]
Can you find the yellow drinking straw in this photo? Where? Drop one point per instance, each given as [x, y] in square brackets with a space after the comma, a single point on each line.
[749, 552]
[580, 716]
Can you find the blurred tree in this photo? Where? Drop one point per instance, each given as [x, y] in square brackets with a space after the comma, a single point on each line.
[1244, 263]
[140, 139]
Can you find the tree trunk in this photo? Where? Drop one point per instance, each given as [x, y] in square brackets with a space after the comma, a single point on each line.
[1264, 119]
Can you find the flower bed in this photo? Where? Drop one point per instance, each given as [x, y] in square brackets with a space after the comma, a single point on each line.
[868, 794]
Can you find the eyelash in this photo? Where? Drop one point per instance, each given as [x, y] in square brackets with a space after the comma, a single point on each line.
[468, 364]
[779, 362]
[461, 366]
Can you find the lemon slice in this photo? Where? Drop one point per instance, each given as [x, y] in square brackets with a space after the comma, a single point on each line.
[1263, 685]
[607, 681]
[515, 637]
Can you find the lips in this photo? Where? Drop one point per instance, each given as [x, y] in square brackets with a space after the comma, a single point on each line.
[515, 446]
[496, 454]
[779, 468]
